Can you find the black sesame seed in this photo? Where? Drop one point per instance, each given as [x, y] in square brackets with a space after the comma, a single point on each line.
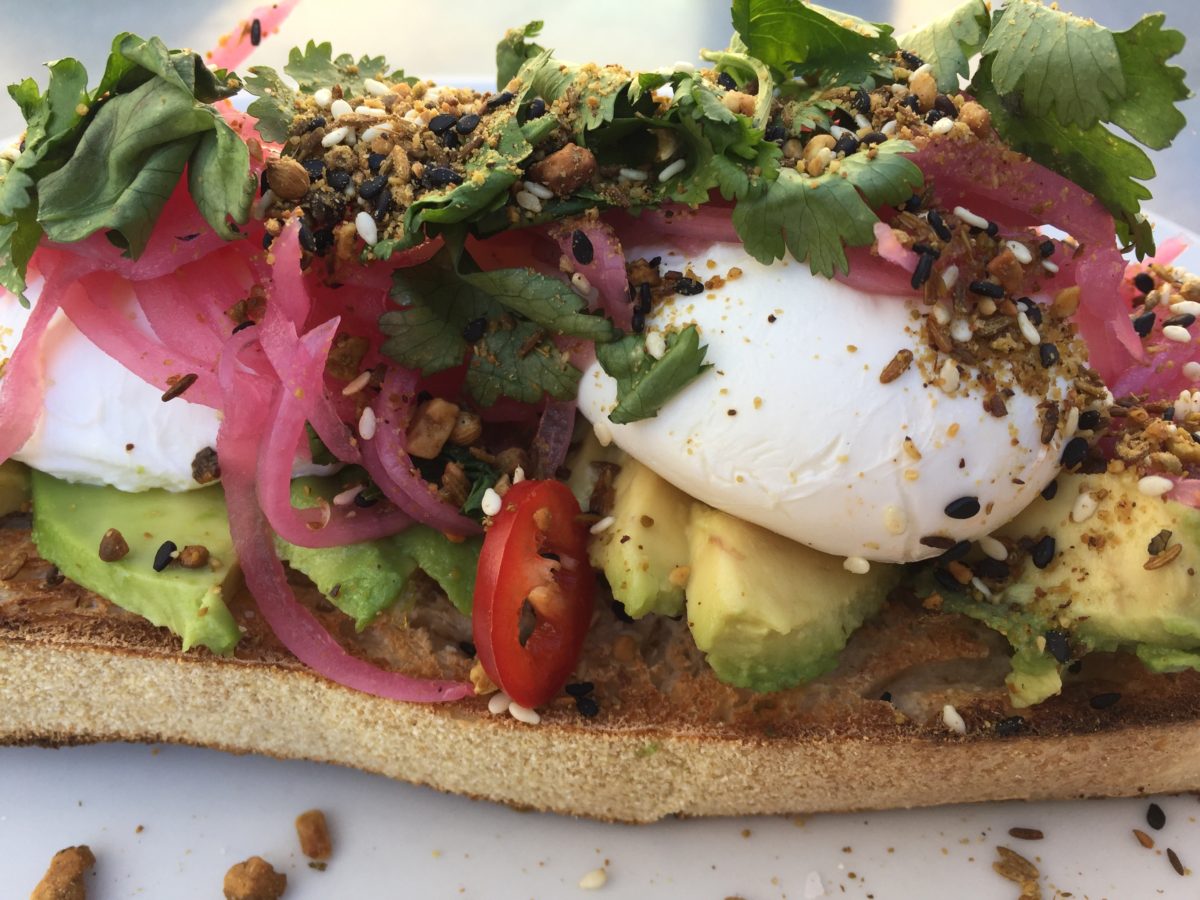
[911, 59]
[725, 80]
[339, 180]
[847, 144]
[862, 102]
[644, 298]
[442, 123]
[267, 240]
[913, 203]
[1155, 817]
[1046, 249]
[314, 167]
[956, 552]
[307, 241]
[689, 287]
[383, 205]
[370, 188]
[987, 289]
[55, 577]
[537, 108]
[923, 271]
[580, 688]
[255, 33]
[1090, 420]
[323, 240]
[938, 225]
[450, 140]
[638, 322]
[775, 132]
[242, 326]
[1104, 701]
[501, 99]
[1042, 553]
[474, 329]
[933, 116]
[1010, 726]
[467, 648]
[963, 508]
[1176, 863]
[263, 187]
[1074, 452]
[1032, 310]
[375, 162]
[1049, 354]
[440, 176]
[1168, 414]
[1144, 282]
[945, 106]
[618, 610]
[587, 706]
[1184, 320]
[314, 123]
[913, 102]
[1050, 491]
[992, 229]
[946, 581]
[938, 541]
[925, 248]
[1144, 323]
[991, 569]
[886, 696]
[162, 556]
[581, 247]
[1076, 667]
[363, 500]
[874, 137]
[467, 123]
[1058, 644]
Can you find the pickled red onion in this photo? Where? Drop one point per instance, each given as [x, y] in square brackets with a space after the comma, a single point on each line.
[606, 271]
[233, 49]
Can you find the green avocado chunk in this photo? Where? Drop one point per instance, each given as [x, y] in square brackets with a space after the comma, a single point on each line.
[771, 613]
[69, 521]
[14, 487]
[362, 580]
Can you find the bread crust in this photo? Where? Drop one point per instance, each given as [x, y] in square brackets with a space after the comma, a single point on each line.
[669, 739]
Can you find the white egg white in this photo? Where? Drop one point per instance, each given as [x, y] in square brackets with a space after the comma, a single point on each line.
[791, 428]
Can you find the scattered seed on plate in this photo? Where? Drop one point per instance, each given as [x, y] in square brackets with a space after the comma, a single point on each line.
[367, 423]
[1155, 817]
[1026, 834]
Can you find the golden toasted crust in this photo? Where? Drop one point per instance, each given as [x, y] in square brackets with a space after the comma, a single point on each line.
[669, 739]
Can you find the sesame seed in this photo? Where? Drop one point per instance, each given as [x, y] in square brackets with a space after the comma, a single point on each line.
[323, 97]
[335, 137]
[603, 525]
[367, 424]
[1046, 248]
[594, 880]
[948, 377]
[1154, 485]
[950, 276]
[923, 270]
[1072, 425]
[523, 714]
[1176, 333]
[1020, 251]
[1042, 553]
[986, 306]
[889, 128]
[633, 174]
[603, 432]
[963, 508]
[1191, 370]
[1050, 267]
[491, 502]
[539, 190]
[1186, 308]
[376, 88]
[340, 107]
[1074, 452]
[501, 99]
[952, 720]
[1050, 491]
[856, 565]
[960, 330]
[581, 286]
[672, 170]
[375, 131]
[1104, 701]
[981, 587]
[993, 549]
[656, 344]
[938, 225]
[1144, 323]
[518, 475]
[942, 126]
[165, 554]
[346, 497]
[1084, 508]
[528, 201]
[986, 289]
[263, 204]
[370, 111]
[941, 314]
[179, 386]
[361, 380]
[1144, 282]
[1155, 817]
[1028, 331]
[366, 228]
[970, 218]
[1049, 354]
[498, 703]
[894, 520]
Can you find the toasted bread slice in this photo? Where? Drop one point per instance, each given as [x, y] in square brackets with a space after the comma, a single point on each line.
[668, 738]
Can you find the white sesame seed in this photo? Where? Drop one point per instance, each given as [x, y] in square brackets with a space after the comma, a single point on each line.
[960, 330]
[895, 520]
[837, 132]
[370, 111]
[603, 432]
[526, 200]
[633, 174]
[656, 344]
[948, 377]
[1029, 332]
[498, 703]
[1020, 251]
[942, 126]
[323, 97]
[898, 90]
[941, 314]
[950, 276]
[491, 502]
[924, 67]
[1072, 425]
[375, 131]
[581, 286]
[986, 306]
[683, 66]
[361, 380]
[1186, 308]
[346, 497]
[889, 128]
[518, 475]
[1176, 333]
[539, 190]
[594, 880]
[1050, 267]
[992, 548]
[263, 204]
[862, 121]
[523, 714]
[376, 88]
[856, 565]
[672, 170]
[335, 137]
[367, 424]
[1154, 485]
[1084, 508]
[602, 526]
[969, 217]
[1191, 370]
[366, 227]
[340, 107]
[952, 720]
[981, 587]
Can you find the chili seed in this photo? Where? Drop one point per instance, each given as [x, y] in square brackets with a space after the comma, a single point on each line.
[581, 248]
[181, 385]
[442, 123]
[1144, 282]
[501, 99]
[1074, 452]
[113, 546]
[1042, 553]
[339, 180]
[1155, 817]
[725, 80]
[1144, 324]
[963, 508]
[1010, 726]
[580, 688]
[1104, 701]
[938, 224]
[255, 33]
[986, 289]
[467, 123]
[1058, 644]
[162, 557]
[1049, 354]
[1050, 491]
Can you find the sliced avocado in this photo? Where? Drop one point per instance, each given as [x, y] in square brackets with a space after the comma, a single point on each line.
[768, 612]
[14, 487]
[69, 521]
[364, 579]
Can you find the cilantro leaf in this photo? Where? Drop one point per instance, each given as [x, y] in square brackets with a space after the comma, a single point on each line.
[1152, 88]
[644, 383]
[517, 362]
[427, 332]
[948, 43]
[1056, 62]
[546, 301]
[513, 51]
[800, 38]
[815, 218]
[589, 92]
[274, 106]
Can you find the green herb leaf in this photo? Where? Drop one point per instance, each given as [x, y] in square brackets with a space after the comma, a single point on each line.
[275, 105]
[314, 68]
[815, 218]
[513, 51]
[593, 91]
[948, 43]
[546, 301]
[426, 333]
[1148, 110]
[516, 362]
[644, 383]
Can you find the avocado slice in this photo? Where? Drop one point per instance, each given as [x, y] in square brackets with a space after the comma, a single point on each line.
[14, 487]
[771, 613]
[69, 521]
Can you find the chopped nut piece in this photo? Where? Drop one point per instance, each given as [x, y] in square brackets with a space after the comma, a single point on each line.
[254, 879]
[467, 429]
[923, 85]
[604, 493]
[897, 367]
[565, 170]
[1066, 302]
[431, 427]
[508, 461]
[193, 556]
[346, 356]
[113, 546]
[205, 466]
[976, 117]
[456, 486]
[1019, 870]
[313, 831]
[64, 878]
[481, 680]
[287, 178]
